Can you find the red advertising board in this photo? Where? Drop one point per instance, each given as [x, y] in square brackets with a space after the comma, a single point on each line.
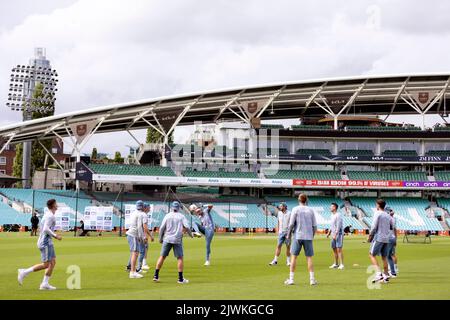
[346, 183]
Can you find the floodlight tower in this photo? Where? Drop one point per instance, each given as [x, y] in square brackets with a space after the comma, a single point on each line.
[21, 97]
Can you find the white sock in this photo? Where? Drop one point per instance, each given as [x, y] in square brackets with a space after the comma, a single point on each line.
[288, 259]
[311, 275]
[379, 274]
[28, 271]
[291, 276]
[46, 279]
[275, 259]
[396, 269]
[144, 262]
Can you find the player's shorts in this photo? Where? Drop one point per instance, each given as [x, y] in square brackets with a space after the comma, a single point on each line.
[283, 239]
[134, 244]
[177, 249]
[47, 253]
[339, 242]
[306, 244]
[379, 248]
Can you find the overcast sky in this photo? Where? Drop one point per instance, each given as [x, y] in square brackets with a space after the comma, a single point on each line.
[111, 51]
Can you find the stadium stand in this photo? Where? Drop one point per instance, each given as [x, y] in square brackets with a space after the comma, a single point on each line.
[310, 127]
[409, 212]
[400, 153]
[321, 152]
[387, 175]
[442, 175]
[137, 170]
[304, 174]
[10, 216]
[219, 174]
[352, 153]
[383, 129]
[438, 153]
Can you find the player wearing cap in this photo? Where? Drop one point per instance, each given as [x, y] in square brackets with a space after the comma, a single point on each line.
[283, 216]
[379, 238]
[171, 232]
[337, 237]
[206, 228]
[134, 236]
[303, 223]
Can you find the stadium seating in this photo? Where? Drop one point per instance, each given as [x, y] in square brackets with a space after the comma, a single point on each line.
[409, 212]
[304, 174]
[220, 174]
[310, 127]
[400, 153]
[10, 216]
[321, 152]
[387, 175]
[438, 153]
[382, 129]
[442, 175]
[442, 128]
[128, 169]
[353, 153]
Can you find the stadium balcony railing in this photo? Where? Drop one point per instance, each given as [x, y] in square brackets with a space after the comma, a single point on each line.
[272, 126]
[387, 175]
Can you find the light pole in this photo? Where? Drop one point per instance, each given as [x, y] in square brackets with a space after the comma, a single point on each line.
[22, 97]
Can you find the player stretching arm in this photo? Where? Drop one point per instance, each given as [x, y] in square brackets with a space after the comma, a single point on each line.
[283, 216]
[45, 245]
[171, 232]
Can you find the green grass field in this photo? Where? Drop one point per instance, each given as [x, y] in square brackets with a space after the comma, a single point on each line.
[239, 270]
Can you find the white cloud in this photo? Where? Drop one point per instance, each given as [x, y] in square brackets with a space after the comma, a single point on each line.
[110, 51]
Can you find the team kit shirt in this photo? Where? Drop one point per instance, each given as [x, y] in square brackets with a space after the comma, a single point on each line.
[206, 218]
[135, 229]
[304, 220]
[337, 224]
[382, 227]
[171, 230]
[283, 221]
[393, 236]
[47, 233]
[143, 219]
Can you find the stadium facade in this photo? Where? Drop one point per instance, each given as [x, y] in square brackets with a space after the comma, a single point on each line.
[342, 149]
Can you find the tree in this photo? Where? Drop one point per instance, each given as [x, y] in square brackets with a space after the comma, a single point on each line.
[37, 152]
[118, 157]
[154, 136]
[94, 154]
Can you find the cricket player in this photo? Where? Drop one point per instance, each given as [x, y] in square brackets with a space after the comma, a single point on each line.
[135, 235]
[379, 237]
[337, 237]
[206, 228]
[171, 232]
[45, 245]
[392, 257]
[283, 216]
[303, 223]
[147, 230]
